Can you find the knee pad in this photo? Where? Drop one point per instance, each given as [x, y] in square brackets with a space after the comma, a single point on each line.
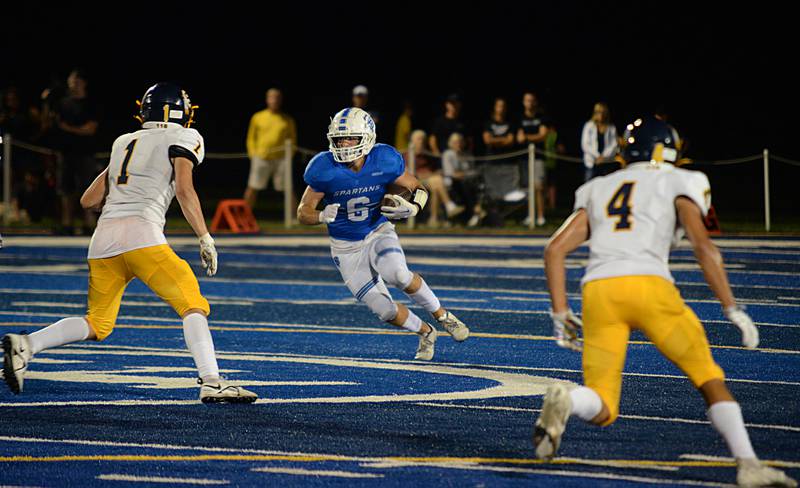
[401, 278]
[381, 305]
[393, 269]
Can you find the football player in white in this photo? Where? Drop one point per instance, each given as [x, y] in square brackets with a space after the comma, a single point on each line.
[630, 219]
[147, 169]
[352, 179]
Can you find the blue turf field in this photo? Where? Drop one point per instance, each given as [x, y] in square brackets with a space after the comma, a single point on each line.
[343, 403]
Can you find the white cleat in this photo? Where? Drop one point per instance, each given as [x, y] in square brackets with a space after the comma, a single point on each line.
[222, 392]
[552, 422]
[426, 342]
[751, 472]
[454, 327]
[16, 356]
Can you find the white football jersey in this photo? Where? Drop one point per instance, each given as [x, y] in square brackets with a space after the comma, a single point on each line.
[140, 175]
[632, 218]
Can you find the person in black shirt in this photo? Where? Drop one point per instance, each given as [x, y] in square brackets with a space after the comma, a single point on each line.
[76, 122]
[498, 133]
[533, 128]
[447, 124]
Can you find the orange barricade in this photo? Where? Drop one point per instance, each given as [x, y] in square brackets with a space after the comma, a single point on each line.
[236, 216]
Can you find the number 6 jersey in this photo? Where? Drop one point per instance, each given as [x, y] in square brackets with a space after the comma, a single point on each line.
[141, 186]
[359, 193]
[632, 218]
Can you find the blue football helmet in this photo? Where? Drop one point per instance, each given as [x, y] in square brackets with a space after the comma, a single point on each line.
[650, 139]
[166, 102]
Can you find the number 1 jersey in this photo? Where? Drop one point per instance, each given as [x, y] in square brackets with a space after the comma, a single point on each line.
[632, 218]
[141, 179]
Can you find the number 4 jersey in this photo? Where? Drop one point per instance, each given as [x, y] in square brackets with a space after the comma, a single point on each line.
[141, 186]
[632, 218]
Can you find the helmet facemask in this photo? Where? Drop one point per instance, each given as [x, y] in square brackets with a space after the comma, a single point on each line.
[351, 123]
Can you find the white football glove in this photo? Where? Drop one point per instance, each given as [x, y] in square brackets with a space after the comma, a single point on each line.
[328, 214]
[208, 254]
[740, 319]
[566, 326]
[403, 210]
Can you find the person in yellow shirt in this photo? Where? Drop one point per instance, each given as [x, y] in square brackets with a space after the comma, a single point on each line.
[402, 131]
[266, 139]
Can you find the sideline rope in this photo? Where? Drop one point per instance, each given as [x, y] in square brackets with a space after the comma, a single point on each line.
[495, 157]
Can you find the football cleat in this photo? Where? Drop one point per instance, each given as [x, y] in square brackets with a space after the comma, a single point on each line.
[16, 356]
[552, 422]
[221, 392]
[426, 342]
[751, 472]
[454, 327]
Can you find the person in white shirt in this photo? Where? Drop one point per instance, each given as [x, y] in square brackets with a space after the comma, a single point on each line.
[598, 140]
[631, 218]
[146, 170]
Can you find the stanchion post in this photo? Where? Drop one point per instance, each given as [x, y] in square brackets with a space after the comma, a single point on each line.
[412, 168]
[531, 186]
[288, 191]
[6, 139]
[767, 223]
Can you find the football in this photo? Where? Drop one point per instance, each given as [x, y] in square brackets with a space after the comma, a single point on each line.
[395, 190]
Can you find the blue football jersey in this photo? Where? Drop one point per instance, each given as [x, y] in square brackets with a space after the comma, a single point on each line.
[358, 194]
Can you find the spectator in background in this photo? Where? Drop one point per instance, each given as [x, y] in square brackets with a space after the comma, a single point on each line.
[552, 149]
[680, 143]
[533, 129]
[498, 134]
[361, 99]
[76, 120]
[402, 130]
[430, 175]
[461, 178]
[266, 146]
[26, 200]
[14, 119]
[598, 141]
[447, 124]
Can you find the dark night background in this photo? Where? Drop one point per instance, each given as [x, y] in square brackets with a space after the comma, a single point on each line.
[726, 75]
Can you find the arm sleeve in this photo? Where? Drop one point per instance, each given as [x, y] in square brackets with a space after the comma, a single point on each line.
[188, 144]
[582, 197]
[251, 137]
[311, 175]
[611, 142]
[395, 164]
[587, 145]
[694, 185]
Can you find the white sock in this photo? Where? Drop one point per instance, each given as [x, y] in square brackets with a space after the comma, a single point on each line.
[586, 403]
[726, 417]
[425, 298]
[412, 323]
[450, 205]
[65, 331]
[198, 340]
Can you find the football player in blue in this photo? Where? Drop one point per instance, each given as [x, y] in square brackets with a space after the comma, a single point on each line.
[351, 179]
